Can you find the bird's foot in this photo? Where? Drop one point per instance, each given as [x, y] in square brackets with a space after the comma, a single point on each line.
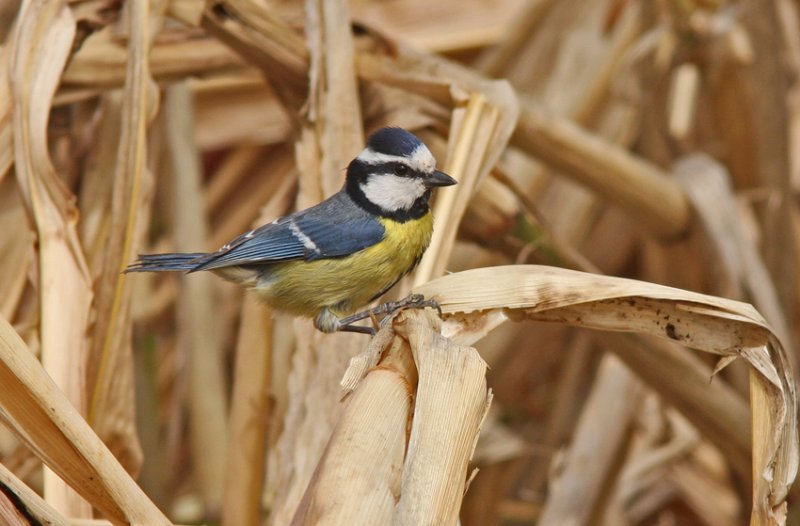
[414, 301]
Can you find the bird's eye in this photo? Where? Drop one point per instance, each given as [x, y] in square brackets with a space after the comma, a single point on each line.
[401, 169]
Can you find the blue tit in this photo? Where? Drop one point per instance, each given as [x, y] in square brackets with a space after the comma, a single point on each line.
[329, 260]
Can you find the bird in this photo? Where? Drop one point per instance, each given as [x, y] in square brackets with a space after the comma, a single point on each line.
[329, 260]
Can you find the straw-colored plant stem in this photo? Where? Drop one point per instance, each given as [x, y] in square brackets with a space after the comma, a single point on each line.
[40, 50]
[109, 362]
[464, 164]
[583, 485]
[45, 420]
[36, 505]
[707, 184]
[249, 414]
[399, 452]
[197, 313]
[638, 186]
[765, 83]
[6, 133]
[358, 477]
[450, 405]
[720, 413]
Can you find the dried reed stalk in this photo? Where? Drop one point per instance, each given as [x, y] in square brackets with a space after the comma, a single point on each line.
[640, 187]
[35, 505]
[766, 81]
[358, 477]
[109, 363]
[374, 469]
[6, 128]
[102, 61]
[244, 475]
[334, 105]
[450, 405]
[708, 186]
[197, 314]
[715, 409]
[40, 50]
[584, 483]
[16, 244]
[35, 408]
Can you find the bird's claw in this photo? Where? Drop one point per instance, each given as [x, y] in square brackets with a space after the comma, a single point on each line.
[413, 301]
[418, 301]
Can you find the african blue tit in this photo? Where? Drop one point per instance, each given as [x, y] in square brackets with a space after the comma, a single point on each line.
[329, 260]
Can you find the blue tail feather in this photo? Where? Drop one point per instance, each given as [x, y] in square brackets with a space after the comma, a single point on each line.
[175, 262]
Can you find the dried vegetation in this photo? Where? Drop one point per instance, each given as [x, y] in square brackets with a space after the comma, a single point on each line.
[651, 140]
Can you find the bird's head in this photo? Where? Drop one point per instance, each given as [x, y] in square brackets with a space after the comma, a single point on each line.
[395, 174]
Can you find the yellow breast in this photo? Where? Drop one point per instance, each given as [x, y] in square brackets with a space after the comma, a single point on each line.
[346, 284]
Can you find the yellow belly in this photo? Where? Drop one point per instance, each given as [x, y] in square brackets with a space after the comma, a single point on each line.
[345, 284]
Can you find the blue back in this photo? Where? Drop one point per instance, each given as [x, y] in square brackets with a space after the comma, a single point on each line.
[336, 227]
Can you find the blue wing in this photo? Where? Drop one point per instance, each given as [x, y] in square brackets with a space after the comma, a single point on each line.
[334, 228]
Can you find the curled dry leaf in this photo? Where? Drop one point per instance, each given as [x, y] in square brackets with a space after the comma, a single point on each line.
[475, 298]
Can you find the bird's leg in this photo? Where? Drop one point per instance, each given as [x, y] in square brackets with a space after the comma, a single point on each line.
[357, 328]
[414, 301]
[328, 322]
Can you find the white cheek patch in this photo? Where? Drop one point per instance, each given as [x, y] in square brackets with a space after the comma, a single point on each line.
[391, 192]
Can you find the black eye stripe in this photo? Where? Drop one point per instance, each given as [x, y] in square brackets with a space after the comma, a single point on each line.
[394, 168]
[389, 168]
